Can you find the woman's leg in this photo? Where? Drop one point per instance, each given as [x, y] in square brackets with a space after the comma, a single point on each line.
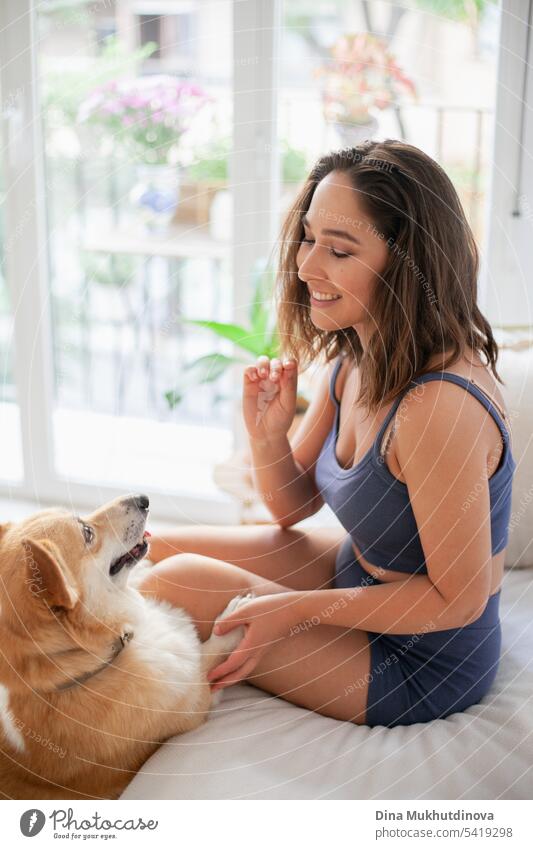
[203, 586]
[323, 668]
[326, 669]
[299, 559]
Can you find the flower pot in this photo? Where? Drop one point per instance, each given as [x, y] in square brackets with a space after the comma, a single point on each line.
[195, 201]
[155, 196]
[352, 135]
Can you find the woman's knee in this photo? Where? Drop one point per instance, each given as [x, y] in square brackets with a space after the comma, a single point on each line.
[189, 571]
[171, 545]
[193, 581]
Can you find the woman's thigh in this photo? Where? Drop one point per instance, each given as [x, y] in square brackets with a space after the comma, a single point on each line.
[203, 586]
[320, 667]
[301, 559]
[325, 669]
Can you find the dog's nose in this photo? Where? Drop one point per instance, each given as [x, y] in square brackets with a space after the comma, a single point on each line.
[142, 502]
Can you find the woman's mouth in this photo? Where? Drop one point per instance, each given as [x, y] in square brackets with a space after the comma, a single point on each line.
[322, 299]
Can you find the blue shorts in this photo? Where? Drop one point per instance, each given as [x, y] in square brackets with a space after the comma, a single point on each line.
[429, 675]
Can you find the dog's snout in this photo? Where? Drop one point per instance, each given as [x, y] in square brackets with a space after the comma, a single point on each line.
[142, 502]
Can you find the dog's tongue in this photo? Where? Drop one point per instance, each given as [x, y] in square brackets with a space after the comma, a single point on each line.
[147, 534]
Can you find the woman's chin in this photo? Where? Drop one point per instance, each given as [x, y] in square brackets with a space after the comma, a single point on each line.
[326, 322]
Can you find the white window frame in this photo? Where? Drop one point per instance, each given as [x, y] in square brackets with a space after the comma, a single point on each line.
[254, 179]
[506, 288]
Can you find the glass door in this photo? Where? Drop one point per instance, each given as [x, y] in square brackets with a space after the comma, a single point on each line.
[136, 104]
[11, 459]
[403, 76]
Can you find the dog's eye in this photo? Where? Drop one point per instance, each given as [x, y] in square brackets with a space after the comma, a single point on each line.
[88, 534]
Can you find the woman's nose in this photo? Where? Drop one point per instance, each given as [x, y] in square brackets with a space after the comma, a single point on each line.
[310, 266]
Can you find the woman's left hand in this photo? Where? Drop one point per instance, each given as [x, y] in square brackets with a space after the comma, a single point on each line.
[266, 619]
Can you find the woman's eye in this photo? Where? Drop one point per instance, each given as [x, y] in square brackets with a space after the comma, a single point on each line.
[332, 251]
[88, 534]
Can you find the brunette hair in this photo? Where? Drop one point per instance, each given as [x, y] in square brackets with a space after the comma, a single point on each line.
[427, 302]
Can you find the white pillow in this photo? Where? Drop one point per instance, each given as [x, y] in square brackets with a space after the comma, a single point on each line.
[515, 367]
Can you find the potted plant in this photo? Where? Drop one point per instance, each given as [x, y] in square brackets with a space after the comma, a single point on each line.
[234, 475]
[146, 119]
[202, 180]
[209, 174]
[362, 76]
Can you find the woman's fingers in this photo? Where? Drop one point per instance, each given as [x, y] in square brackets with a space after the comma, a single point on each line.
[238, 656]
[236, 676]
[251, 373]
[275, 369]
[272, 369]
[263, 366]
[231, 621]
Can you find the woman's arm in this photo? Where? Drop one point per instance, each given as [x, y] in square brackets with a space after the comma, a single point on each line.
[398, 607]
[283, 471]
[284, 487]
[412, 606]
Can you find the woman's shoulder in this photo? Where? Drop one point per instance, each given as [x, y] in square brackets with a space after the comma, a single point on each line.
[473, 370]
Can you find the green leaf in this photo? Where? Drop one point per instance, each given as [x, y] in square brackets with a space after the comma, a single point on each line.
[273, 344]
[261, 303]
[242, 337]
[205, 369]
[208, 368]
[262, 308]
[173, 398]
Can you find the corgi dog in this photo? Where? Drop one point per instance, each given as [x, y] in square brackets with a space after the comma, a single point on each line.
[94, 676]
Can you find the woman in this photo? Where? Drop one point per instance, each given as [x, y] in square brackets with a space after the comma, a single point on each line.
[394, 617]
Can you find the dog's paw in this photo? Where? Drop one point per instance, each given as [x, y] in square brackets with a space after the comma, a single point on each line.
[225, 643]
[235, 603]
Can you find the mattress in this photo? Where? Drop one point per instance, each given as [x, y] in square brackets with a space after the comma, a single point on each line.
[256, 746]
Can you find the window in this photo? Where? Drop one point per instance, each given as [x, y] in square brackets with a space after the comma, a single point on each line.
[129, 237]
[120, 283]
[11, 462]
[434, 50]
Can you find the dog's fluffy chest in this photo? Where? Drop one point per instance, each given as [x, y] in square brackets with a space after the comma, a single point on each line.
[165, 650]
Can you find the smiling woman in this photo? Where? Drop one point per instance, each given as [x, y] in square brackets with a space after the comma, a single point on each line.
[370, 250]
[394, 619]
[370, 213]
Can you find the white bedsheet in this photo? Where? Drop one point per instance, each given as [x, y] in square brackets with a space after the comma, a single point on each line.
[255, 746]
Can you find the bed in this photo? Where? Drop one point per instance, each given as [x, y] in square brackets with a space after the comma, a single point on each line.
[255, 746]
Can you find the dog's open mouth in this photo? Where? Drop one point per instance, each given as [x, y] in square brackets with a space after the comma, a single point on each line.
[130, 557]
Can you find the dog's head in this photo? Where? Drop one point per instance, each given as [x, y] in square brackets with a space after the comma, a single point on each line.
[71, 571]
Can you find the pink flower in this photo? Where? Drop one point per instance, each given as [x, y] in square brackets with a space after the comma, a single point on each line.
[362, 68]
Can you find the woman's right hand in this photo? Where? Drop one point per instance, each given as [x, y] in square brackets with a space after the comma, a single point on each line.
[269, 398]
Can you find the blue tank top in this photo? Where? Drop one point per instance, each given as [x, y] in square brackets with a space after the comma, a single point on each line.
[373, 505]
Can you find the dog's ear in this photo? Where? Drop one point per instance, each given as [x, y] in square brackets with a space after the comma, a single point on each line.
[4, 527]
[48, 576]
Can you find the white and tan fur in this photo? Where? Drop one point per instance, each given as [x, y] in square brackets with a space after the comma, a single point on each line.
[61, 614]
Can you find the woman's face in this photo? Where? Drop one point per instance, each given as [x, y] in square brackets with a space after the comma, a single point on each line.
[342, 254]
